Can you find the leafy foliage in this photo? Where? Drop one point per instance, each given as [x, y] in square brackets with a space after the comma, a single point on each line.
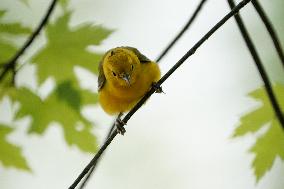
[270, 145]
[6, 85]
[65, 48]
[60, 108]
[10, 154]
[267, 148]
[7, 49]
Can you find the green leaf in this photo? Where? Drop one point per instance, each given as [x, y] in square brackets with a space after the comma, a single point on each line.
[64, 3]
[267, 148]
[254, 120]
[73, 95]
[270, 145]
[58, 108]
[6, 51]
[12, 28]
[88, 97]
[67, 47]
[10, 154]
[6, 86]
[2, 12]
[66, 92]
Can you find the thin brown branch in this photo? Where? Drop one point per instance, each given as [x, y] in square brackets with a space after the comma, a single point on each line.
[95, 159]
[91, 171]
[270, 30]
[186, 26]
[11, 64]
[259, 65]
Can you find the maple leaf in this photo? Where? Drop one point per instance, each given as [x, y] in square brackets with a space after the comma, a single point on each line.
[7, 49]
[270, 145]
[10, 154]
[77, 129]
[67, 47]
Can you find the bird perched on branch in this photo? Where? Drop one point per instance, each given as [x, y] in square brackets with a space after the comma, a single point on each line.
[125, 75]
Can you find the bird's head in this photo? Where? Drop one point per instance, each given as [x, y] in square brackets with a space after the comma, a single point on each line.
[121, 67]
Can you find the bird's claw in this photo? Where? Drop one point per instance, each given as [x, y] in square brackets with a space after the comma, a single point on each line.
[158, 88]
[119, 126]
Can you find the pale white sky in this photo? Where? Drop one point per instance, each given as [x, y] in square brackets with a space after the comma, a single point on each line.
[180, 139]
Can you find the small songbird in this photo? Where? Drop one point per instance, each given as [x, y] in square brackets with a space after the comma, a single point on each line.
[125, 75]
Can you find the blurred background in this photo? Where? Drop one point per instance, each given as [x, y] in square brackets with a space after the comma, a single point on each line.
[181, 139]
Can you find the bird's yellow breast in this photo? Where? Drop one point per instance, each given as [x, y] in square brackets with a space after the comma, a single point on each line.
[115, 99]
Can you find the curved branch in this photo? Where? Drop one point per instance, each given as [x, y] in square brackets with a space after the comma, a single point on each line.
[270, 30]
[259, 65]
[95, 159]
[12, 63]
[187, 25]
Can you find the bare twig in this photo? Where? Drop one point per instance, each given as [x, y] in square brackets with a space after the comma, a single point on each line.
[259, 65]
[91, 171]
[270, 30]
[95, 159]
[88, 176]
[186, 26]
[164, 52]
[11, 64]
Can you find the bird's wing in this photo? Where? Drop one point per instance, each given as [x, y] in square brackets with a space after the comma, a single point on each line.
[101, 78]
[142, 58]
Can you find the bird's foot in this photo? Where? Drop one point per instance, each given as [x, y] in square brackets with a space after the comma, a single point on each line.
[158, 89]
[119, 124]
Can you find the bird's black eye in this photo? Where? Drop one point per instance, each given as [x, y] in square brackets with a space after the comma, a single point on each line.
[132, 67]
[114, 74]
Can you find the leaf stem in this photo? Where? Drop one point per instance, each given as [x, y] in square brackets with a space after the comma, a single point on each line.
[95, 159]
[259, 65]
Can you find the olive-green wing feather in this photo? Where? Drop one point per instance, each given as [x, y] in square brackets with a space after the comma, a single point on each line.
[142, 58]
[101, 78]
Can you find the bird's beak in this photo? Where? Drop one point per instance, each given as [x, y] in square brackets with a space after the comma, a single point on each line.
[126, 78]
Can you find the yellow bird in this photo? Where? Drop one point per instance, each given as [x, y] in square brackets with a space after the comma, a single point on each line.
[125, 75]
